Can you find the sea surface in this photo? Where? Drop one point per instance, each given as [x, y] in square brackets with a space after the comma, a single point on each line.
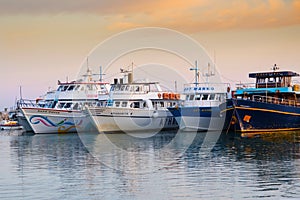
[166, 165]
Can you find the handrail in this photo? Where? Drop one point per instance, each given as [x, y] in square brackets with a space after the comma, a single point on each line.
[275, 100]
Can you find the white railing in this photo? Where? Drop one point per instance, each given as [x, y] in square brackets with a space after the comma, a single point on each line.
[30, 103]
[275, 100]
[245, 85]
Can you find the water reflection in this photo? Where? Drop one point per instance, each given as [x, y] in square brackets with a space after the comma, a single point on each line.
[62, 166]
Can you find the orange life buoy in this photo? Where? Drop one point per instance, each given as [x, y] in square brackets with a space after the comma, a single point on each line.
[159, 95]
[171, 96]
[165, 95]
[177, 96]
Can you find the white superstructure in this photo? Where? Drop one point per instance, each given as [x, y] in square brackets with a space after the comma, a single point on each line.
[61, 111]
[135, 106]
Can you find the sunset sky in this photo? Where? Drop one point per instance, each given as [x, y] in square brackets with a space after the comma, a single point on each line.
[42, 41]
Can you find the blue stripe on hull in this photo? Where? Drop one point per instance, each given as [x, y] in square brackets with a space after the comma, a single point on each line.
[195, 111]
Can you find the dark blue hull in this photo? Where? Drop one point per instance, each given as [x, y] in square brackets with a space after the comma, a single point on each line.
[252, 116]
[198, 118]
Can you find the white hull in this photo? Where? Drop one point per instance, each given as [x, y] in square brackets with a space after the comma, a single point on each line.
[10, 127]
[57, 121]
[192, 123]
[131, 120]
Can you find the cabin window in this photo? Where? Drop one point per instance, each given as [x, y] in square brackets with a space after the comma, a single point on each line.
[136, 104]
[197, 97]
[127, 88]
[117, 104]
[67, 105]
[61, 105]
[99, 104]
[205, 97]
[145, 104]
[146, 88]
[117, 88]
[212, 97]
[89, 87]
[71, 87]
[137, 88]
[162, 104]
[122, 88]
[271, 80]
[112, 88]
[131, 89]
[75, 107]
[191, 97]
[187, 97]
[124, 104]
[65, 88]
[60, 88]
[76, 88]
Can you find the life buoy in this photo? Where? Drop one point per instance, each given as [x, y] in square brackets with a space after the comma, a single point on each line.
[159, 95]
[165, 95]
[171, 96]
[177, 96]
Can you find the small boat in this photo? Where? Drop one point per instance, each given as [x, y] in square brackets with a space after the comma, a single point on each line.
[10, 125]
[62, 110]
[200, 110]
[135, 107]
[8, 120]
[272, 104]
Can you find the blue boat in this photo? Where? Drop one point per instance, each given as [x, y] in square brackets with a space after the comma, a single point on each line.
[200, 110]
[273, 104]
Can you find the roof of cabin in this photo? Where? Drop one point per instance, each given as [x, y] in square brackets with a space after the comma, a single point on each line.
[273, 74]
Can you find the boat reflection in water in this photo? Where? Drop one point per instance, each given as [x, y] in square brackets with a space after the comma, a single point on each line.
[170, 165]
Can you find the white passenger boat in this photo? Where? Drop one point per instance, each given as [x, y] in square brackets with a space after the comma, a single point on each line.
[200, 110]
[135, 106]
[63, 112]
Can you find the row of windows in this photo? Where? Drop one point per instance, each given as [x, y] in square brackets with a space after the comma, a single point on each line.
[203, 97]
[80, 105]
[63, 88]
[143, 104]
[135, 88]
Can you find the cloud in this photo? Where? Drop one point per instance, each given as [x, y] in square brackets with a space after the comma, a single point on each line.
[188, 16]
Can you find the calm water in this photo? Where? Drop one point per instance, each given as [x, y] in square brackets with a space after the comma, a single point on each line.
[165, 166]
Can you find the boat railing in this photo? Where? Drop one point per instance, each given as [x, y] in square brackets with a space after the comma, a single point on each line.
[275, 100]
[208, 84]
[245, 85]
[30, 103]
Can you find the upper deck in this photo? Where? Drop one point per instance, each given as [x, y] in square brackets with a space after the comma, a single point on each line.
[272, 82]
[273, 79]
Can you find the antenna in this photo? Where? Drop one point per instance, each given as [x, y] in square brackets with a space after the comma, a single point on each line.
[101, 74]
[209, 73]
[21, 92]
[274, 68]
[87, 63]
[196, 73]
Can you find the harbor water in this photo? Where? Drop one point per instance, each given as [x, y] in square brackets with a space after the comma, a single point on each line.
[68, 166]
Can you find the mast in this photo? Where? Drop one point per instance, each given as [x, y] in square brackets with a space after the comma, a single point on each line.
[101, 74]
[196, 69]
[21, 92]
